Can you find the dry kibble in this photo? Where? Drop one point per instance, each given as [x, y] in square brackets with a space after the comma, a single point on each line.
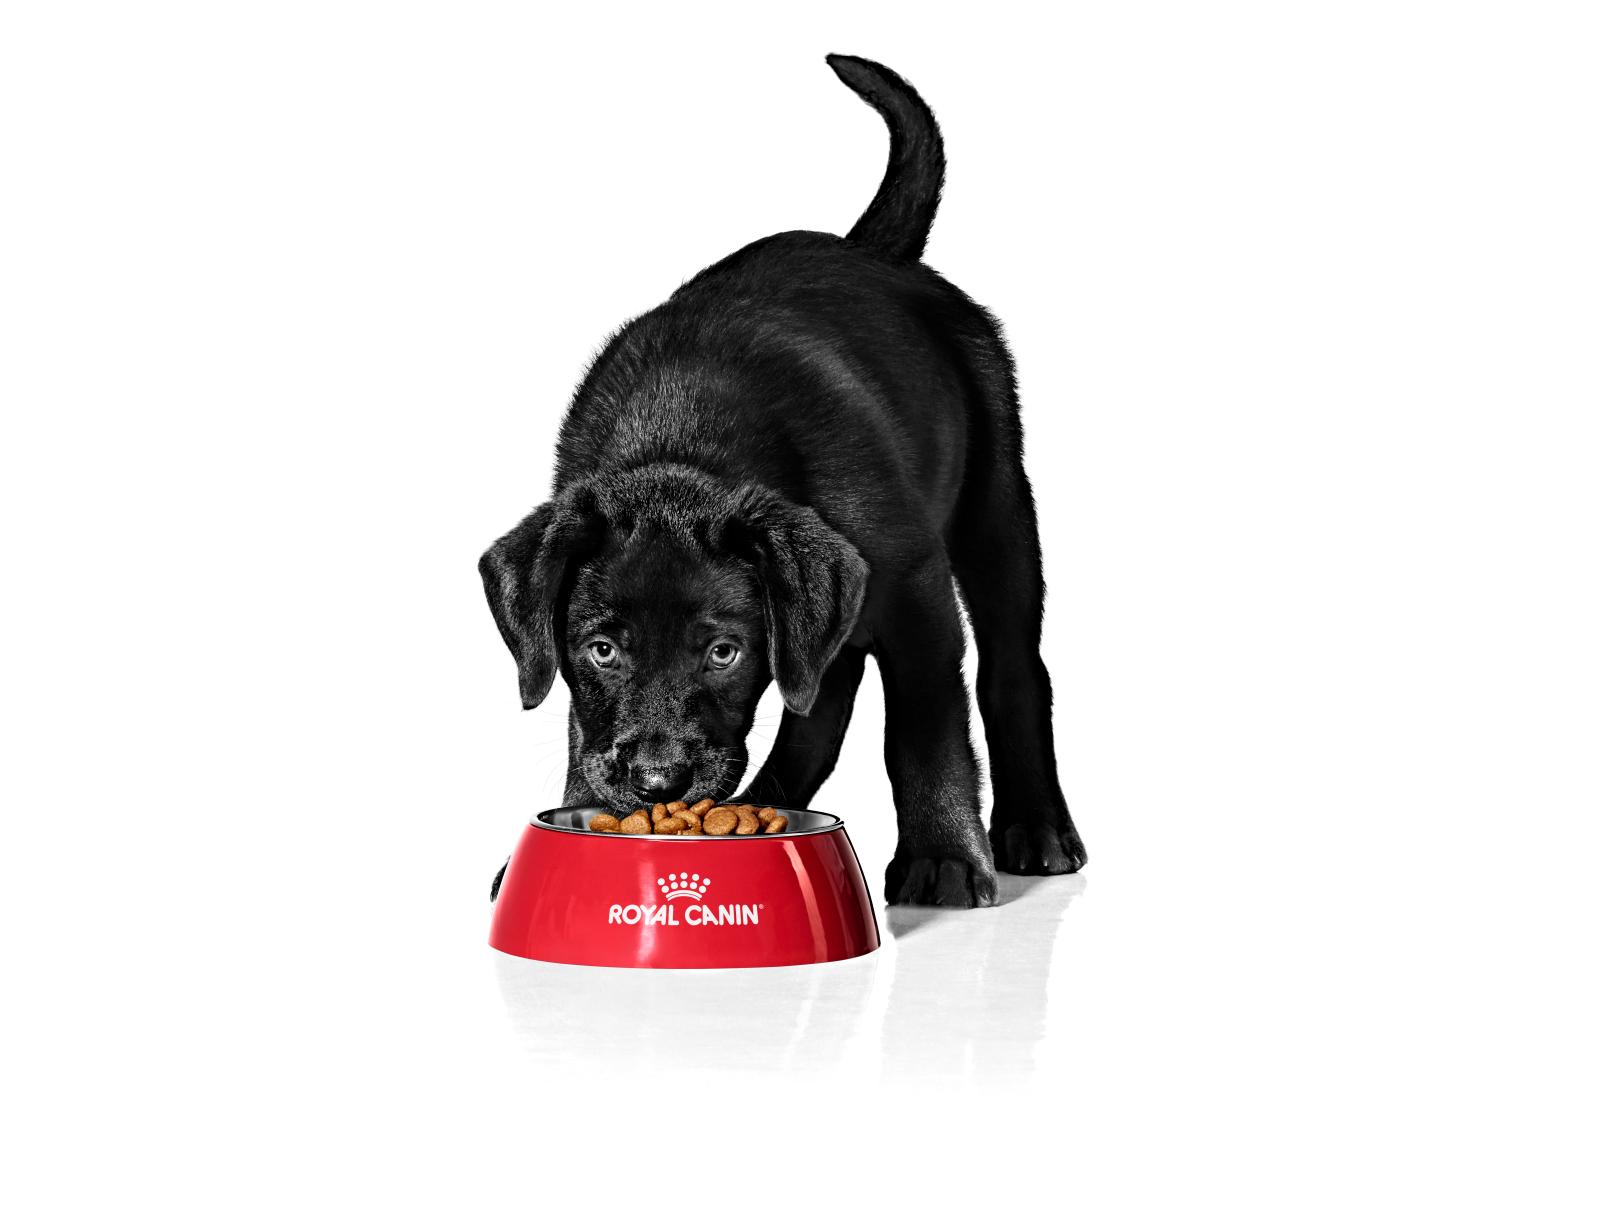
[720, 822]
[706, 818]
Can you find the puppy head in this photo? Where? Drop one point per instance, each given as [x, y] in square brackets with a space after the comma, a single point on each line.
[670, 600]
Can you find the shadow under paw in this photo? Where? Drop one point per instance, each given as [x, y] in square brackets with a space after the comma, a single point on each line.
[949, 882]
[1038, 849]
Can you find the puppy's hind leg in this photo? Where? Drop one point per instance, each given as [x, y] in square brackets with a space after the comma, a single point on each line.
[998, 564]
[807, 746]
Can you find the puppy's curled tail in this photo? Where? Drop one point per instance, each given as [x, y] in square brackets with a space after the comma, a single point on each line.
[897, 222]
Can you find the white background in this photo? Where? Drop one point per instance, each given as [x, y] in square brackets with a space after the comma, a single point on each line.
[1317, 310]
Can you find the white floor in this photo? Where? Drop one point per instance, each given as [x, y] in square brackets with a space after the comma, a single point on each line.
[1316, 313]
[1205, 1021]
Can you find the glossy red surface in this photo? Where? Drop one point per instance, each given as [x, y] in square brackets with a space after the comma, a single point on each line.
[734, 902]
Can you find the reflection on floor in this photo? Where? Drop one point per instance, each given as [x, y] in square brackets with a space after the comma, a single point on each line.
[948, 992]
[973, 986]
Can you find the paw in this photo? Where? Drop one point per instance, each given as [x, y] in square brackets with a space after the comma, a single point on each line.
[496, 883]
[950, 882]
[1036, 848]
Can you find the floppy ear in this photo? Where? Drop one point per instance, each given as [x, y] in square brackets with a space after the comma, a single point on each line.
[523, 572]
[814, 582]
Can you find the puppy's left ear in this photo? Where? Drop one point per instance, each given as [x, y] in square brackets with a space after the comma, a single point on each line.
[523, 573]
[814, 583]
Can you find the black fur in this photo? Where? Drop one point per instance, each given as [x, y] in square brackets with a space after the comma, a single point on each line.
[797, 456]
[897, 222]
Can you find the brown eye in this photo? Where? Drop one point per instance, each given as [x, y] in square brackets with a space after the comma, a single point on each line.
[723, 655]
[603, 652]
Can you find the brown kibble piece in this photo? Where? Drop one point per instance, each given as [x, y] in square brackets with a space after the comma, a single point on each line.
[779, 824]
[603, 823]
[720, 822]
[677, 807]
[688, 818]
[637, 823]
[659, 813]
[747, 823]
[704, 806]
[670, 826]
[691, 832]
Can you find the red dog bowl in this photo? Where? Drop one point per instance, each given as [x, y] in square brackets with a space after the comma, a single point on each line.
[575, 896]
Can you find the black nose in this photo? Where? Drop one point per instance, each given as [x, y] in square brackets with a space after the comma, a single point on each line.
[660, 785]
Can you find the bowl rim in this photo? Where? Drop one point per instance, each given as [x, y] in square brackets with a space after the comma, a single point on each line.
[835, 824]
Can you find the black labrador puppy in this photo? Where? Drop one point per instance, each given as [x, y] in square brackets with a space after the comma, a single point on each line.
[786, 467]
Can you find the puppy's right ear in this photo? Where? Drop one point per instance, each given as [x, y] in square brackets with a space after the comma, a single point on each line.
[523, 573]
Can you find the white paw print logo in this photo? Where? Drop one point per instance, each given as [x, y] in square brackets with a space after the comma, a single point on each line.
[684, 884]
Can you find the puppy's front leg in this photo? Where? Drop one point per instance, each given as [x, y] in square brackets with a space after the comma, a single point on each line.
[806, 747]
[942, 854]
[496, 883]
[578, 792]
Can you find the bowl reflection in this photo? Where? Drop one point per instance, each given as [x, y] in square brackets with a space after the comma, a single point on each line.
[948, 992]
